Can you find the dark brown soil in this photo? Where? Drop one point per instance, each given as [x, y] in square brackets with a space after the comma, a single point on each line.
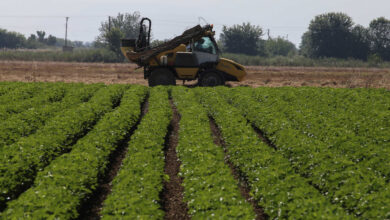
[262, 136]
[172, 195]
[243, 185]
[267, 141]
[92, 207]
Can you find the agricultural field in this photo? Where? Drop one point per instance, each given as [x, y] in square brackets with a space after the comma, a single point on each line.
[333, 77]
[121, 151]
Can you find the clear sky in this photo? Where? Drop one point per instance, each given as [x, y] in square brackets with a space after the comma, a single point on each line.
[287, 18]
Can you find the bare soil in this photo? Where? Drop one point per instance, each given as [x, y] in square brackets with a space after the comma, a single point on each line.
[257, 76]
[317, 77]
[172, 195]
[262, 136]
[243, 185]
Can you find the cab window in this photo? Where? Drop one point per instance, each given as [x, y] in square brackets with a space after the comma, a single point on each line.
[205, 44]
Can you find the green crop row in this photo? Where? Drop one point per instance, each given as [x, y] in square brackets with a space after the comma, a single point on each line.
[137, 187]
[210, 189]
[6, 87]
[357, 190]
[344, 122]
[20, 161]
[274, 184]
[354, 114]
[50, 93]
[60, 189]
[27, 122]
[22, 92]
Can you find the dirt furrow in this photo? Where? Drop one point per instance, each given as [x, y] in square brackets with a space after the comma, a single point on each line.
[92, 207]
[172, 195]
[243, 185]
[262, 136]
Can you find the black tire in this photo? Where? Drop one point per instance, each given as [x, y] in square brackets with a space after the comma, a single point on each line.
[211, 78]
[161, 76]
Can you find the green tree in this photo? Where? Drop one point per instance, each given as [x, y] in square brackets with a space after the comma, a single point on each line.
[32, 37]
[329, 35]
[379, 31]
[113, 38]
[78, 43]
[360, 43]
[306, 47]
[11, 39]
[242, 39]
[41, 36]
[112, 30]
[51, 40]
[279, 47]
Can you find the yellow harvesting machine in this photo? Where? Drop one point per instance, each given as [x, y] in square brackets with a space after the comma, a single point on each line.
[194, 55]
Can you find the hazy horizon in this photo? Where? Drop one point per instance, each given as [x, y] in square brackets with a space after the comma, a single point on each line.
[285, 18]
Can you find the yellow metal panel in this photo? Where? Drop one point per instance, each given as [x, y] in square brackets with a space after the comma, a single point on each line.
[232, 68]
[126, 49]
[171, 54]
[187, 73]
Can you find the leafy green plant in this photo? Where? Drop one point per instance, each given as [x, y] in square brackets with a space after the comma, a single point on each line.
[352, 122]
[357, 189]
[137, 187]
[21, 93]
[27, 122]
[210, 189]
[21, 161]
[60, 189]
[6, 87]
[48, 93]
[274, 184]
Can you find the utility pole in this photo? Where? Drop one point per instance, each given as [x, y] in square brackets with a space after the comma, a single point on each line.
[67, 48]
[268, 33]
[66, 32]
[109, 23]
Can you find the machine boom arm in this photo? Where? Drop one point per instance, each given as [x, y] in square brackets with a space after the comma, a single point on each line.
[142, 57]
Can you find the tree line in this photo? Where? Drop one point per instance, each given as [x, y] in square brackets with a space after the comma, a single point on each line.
[336, 35]
[40, 39]
[330, 35]
[15, 40]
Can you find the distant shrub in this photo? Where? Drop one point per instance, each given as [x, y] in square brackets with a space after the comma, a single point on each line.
[79, 55]
[102, 55]
[303, 61]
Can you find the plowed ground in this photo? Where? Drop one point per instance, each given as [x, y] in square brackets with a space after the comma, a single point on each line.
[257, 76]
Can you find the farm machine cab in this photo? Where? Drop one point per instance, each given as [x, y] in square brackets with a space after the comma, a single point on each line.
[190, 56]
